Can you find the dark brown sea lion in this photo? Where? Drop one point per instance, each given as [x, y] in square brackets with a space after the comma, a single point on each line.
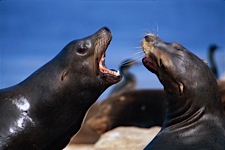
[45, 110]
[140, 108]
[194, 116]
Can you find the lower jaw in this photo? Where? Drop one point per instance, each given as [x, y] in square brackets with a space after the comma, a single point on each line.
[109, 78]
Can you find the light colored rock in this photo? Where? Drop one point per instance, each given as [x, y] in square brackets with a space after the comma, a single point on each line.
[79, 147]
[120, 138]
[131, 138]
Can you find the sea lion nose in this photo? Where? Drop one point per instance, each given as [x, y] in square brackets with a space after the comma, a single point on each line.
[149, 38]
[104, 31]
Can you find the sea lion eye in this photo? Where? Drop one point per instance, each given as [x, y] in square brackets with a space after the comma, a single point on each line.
[177, 46]
[82, 49]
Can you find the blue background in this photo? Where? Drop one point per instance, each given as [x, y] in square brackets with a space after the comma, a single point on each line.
[33, 32]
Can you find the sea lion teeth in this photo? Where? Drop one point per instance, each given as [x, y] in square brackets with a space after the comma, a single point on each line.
[103, 69]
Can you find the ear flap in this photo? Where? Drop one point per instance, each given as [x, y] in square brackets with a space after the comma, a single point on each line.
[181, 88]
[205, 61]
[64, 74]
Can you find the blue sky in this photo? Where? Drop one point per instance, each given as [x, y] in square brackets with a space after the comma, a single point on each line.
[33, 32]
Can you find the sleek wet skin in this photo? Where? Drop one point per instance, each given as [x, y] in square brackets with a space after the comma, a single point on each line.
[194, 116]
[45, 110]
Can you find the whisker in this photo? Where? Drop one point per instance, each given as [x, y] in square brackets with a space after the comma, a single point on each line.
[138, 47]
[134, 59]
[147, 32]
[157, 29]
[154, 29]
[140, 52]
[128, 62]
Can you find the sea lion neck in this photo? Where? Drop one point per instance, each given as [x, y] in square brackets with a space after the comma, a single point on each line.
[189, 100]
[190, 85]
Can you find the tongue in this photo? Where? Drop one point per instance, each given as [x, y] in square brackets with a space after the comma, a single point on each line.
[149, 65]
[147, 59]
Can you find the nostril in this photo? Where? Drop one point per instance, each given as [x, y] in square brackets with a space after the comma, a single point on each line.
[149, 38]
[106, 29]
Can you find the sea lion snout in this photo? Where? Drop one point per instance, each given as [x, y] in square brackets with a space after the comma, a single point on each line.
[148, 38]
[104, 31]
[151, 38]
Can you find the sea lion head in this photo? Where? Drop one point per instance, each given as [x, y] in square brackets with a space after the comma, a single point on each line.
[89, 55]
[178, 69]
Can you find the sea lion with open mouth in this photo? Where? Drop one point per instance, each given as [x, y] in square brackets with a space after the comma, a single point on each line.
[45, 110]
[194, 117]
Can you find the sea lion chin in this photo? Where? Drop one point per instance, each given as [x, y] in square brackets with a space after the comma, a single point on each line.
[45, 110]
[194, 117]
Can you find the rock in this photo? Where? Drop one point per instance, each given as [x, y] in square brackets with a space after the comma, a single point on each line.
[126, 138]
[79, 147]
[120, 138]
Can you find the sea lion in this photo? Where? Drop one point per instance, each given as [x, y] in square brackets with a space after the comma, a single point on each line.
[45, 110]
[194, 117]
[129, 80]
[140, 108]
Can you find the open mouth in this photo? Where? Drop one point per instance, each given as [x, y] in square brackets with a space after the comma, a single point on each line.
[103, 68]
[101, 46]
[149, 60]
[148, 63]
